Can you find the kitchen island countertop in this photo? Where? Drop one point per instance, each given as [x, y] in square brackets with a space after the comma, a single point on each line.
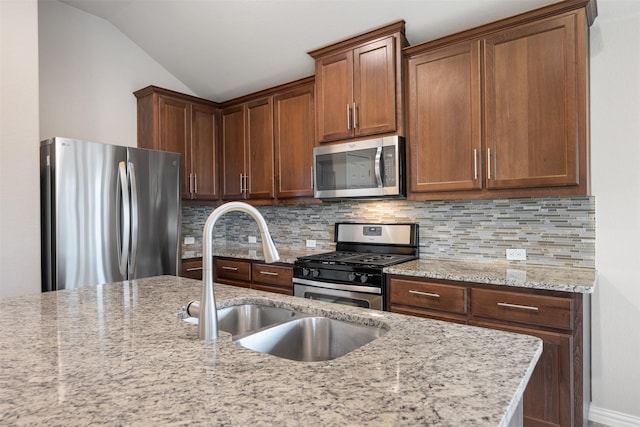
[117, 354]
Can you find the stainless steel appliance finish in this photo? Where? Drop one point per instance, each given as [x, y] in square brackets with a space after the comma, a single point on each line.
[353, 274]
[207, 314]
[361, 169]
[108, 213]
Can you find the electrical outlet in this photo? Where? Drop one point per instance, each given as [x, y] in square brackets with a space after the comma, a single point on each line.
[189, 240]
[252, 239]
[516, 254]
[514, 275]
[311, 243]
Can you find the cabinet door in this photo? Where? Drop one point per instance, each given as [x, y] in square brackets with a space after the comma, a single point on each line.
[175, 134]
[233, 153]
[294, 142]
[444, 119]
[259, 146]
[548, 398]
[374, 88]
[334, 97]
[531, 105]
[203, 152]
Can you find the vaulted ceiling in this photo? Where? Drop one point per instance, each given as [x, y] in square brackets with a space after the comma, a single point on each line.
[222, 49]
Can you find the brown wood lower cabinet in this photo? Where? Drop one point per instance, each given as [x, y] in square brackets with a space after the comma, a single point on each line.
[276, 278]
[272, 278]
[232, 272]
[192, 268]
[547, 399]
[556, 393]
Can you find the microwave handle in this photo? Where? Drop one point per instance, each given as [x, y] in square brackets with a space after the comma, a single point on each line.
[378, 167]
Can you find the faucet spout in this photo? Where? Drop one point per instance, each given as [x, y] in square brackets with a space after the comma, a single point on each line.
[208, 316]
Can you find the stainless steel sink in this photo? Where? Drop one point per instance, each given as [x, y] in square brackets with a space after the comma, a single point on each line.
[242, 319]
[311, 339]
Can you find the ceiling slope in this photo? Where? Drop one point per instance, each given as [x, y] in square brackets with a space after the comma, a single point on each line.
[222, 49]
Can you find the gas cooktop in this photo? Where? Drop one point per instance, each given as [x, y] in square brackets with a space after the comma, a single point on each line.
[358, 258]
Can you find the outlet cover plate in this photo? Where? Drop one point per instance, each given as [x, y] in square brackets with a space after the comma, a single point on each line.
[311, 243]
[516, 254]
[252, 239]
[189, 240]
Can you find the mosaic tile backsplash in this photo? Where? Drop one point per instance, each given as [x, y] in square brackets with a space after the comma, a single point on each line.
[554, 231]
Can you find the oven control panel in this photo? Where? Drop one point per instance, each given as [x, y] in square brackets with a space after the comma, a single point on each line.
[370, 230]
[351, 275]
[379, 234]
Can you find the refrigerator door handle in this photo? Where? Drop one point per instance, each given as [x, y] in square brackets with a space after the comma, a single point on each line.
[133, 258]
[122, 234]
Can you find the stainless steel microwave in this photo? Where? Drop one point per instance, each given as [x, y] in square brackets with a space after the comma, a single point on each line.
[371, 168]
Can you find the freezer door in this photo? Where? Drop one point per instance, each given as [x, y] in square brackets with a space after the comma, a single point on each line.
[81, 226]
[155, 212]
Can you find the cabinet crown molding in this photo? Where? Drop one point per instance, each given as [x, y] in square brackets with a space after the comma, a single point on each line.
[151, 89]
[590, 7]
[396, 27]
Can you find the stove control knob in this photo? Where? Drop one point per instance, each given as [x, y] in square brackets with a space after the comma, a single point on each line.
[352, 277]
[305, 272]
[364, 278]
[315, 272]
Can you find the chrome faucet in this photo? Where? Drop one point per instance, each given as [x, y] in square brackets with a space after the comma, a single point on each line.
[208, 316]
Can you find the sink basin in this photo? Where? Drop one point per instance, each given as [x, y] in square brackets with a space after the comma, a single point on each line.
[311, 339]
[241, 319]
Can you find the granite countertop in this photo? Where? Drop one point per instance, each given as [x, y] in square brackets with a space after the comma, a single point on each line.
[577, 280]
[253, 252]
[117, 354]
[518, 274]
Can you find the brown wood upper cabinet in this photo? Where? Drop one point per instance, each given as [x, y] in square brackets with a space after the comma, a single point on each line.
[247, 150]
[171, 121]
[501, 110]
[293, 119]
[444, 118]
[358, 85]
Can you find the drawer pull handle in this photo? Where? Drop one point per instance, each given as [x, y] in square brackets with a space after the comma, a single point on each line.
[521, 307]
[268, 273]
[426, 294]
[194, 269]
[225, 267]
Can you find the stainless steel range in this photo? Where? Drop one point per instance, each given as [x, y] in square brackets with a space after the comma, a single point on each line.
[352, 274]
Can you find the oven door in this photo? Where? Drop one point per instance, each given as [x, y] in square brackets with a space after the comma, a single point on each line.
[356, 296]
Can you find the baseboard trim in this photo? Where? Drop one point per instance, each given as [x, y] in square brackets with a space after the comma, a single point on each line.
[612, 418]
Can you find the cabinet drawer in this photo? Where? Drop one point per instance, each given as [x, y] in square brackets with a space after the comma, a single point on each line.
[192, 269]
[538, 310]
[233, 270]
[272, 275]
[433, 296]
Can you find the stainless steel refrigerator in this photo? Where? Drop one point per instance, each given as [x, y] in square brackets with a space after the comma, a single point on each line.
[108, 213]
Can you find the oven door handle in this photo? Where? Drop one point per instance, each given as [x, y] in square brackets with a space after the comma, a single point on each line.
[338, 286]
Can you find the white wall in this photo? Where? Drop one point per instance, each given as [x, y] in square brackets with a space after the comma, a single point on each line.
[88, 73]
[615, 161]
[19, 169]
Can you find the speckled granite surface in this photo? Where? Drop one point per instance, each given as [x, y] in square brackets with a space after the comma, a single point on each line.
[580, 280]
[254, 252]
[565, 279]
[116, 354]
